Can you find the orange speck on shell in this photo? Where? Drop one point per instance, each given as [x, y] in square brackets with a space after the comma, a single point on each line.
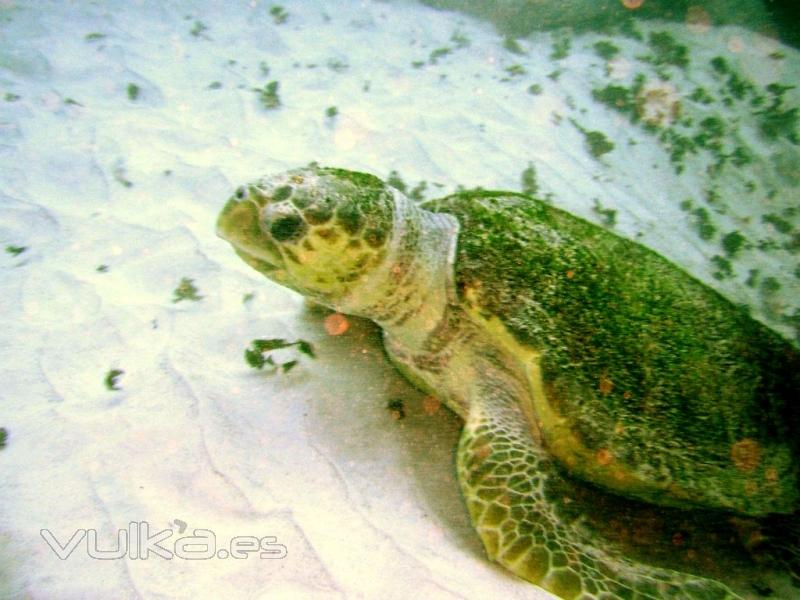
[632, 4]
[746, 454]
[336, 324]
[604, 457]
[570, 274]
[605, 385]
[431, 405]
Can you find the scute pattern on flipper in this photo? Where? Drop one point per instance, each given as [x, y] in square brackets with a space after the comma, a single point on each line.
[521, 528]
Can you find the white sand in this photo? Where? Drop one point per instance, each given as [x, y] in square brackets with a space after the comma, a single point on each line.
[366, 506]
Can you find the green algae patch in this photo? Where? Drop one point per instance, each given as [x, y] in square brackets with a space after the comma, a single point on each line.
[186, 290]
[111, 380]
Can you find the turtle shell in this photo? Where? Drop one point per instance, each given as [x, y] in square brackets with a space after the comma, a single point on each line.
[643, 379]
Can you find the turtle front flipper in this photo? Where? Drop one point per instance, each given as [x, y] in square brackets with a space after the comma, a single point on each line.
[515, 494]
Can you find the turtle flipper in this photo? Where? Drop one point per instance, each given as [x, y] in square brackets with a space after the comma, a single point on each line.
[515, 494]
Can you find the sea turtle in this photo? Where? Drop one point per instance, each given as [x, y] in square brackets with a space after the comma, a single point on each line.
[569, 352]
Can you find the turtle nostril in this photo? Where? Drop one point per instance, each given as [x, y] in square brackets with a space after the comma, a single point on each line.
[289, 227]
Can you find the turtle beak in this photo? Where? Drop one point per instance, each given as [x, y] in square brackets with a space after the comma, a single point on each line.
[238, 224]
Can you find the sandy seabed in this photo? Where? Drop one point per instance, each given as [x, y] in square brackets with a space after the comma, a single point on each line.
[124, 126]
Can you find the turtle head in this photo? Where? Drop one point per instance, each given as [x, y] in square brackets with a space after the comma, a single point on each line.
[319, 231]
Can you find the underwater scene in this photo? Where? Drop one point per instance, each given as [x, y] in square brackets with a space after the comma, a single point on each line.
[400, 299]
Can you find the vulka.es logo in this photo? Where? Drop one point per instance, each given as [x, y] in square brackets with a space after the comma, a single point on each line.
[136, 542]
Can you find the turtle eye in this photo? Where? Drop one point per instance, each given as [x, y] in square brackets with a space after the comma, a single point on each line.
[286, 228]
[240, 193]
